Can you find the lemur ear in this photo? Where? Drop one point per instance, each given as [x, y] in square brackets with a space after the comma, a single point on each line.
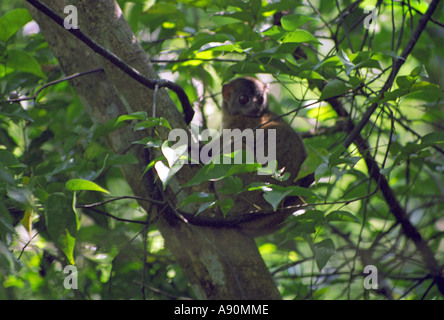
[266, 87]
[227, 91]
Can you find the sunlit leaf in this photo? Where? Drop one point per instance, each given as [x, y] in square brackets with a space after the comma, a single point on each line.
[405, 81]
[140, 115]
[300, 36]
[292, 22]
[174, 154]
[198, 44]
[165, 173]
[12, 21]
[80, 184]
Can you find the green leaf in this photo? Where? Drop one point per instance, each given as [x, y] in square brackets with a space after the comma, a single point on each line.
[80, 184]
[152, 122]
[162, 9]
[152, 164]
[149, 142]
[329, 62]
[174, 154]
[241, 168]
[274, 32]
[314, 215]
[21, 195]
[323, 251]
[205, 206]
[61, 223]
[348, 65]
[15, 111]
[198, 44]
[405, 81]
[432, 138]
[213, 172]
[6, 176]
[322, 170]
[6, 226]
[314, 159]
[117, 123]
[426, 91]
[140, 115]
[292, 22]
[67, 242]
[165, 173]
[198, 197]
[222, 47]
[395, 94]
[197, 3]
[413, 150]
[340, 215]
[207, 173]
[121, 159]
[232, 185]
[242, 16]
[332, 89]
[8, 159]
[221, 20]
[12, 21]
[274, 197]
[246, 68]
[25, 62]
[299, 36]
[226, 205]
[278, 193]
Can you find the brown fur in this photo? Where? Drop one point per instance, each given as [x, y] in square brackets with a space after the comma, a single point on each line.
[290, 150]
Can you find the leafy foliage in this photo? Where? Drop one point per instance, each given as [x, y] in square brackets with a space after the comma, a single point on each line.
[54, 160]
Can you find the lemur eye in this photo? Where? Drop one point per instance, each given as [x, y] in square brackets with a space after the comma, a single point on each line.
[243, 99]
[260, 100]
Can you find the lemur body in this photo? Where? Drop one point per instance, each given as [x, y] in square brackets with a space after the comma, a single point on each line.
[245, 107]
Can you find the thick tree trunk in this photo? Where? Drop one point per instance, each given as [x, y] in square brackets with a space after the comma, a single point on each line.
[219, 263]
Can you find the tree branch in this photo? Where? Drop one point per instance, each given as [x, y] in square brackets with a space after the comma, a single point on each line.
[391, 78]
[389, 195]
[396, 209]
[133, 73]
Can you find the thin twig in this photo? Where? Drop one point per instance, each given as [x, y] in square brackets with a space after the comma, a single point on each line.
[36, 94]
[395, 69]
[114, 217]
[119, 63]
